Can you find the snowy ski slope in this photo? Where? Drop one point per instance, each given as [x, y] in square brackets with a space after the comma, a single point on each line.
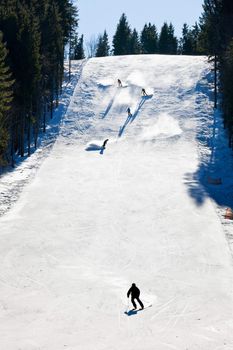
[92, 221]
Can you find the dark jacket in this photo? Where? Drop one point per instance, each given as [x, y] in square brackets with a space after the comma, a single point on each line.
[134, 291]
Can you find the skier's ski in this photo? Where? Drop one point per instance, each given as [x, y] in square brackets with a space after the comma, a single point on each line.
[145, 308]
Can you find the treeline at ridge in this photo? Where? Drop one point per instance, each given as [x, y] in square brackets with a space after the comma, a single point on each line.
[33, 36]
[150, 41]
[127, 41]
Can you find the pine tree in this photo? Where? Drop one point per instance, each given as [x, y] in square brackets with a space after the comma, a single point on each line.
[186, 41]
[106, 44]
[6, 96]
[91, 46]
[227, 79]
[210, 36]
[172, 40]
[195, 39]
[167, 41]
[226, 64]
[134, 45]
[121, 39]
[69, 22]
[163, 40]
[30, 74]
[78, 49]
[53, 51]
[102, 45]
[149, 39]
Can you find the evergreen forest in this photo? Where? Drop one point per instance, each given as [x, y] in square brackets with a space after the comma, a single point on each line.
[33, 37]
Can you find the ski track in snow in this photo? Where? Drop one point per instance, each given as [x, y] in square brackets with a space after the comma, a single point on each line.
[92, 221]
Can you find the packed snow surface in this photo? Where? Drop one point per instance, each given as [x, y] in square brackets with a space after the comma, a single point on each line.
[93, 221]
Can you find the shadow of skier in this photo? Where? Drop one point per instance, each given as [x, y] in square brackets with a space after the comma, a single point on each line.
[131, 312]
[122, 128]
[141, 103]
[110, 104]
[94, 148]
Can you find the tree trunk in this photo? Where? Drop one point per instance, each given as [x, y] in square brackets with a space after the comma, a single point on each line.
[70, 58]
[215, 81]
[12, 147]
[51, 107]
[44, 116]
[22, 122]
[29, 134]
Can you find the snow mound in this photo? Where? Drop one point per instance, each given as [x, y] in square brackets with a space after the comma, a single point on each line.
[105, 83]
[136, 78]
[165, 127]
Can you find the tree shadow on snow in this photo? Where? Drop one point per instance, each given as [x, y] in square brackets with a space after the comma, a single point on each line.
[213, 177]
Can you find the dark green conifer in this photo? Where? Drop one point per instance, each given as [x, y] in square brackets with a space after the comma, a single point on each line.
[6, 96]
[79, 50]
[102, 45]
[149, 39]
[167, 41]
[121, 39]
[186, 41]
[172, 40]
[163, 40]
[134, 45]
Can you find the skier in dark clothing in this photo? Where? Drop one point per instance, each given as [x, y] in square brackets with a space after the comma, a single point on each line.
[104, 144]
[129, 112]
[144, 92]
[119, 83]
[135, 293]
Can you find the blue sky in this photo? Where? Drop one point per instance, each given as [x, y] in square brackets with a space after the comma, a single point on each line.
[97, 15]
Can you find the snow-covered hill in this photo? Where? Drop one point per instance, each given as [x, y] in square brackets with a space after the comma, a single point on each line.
[94, 221]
